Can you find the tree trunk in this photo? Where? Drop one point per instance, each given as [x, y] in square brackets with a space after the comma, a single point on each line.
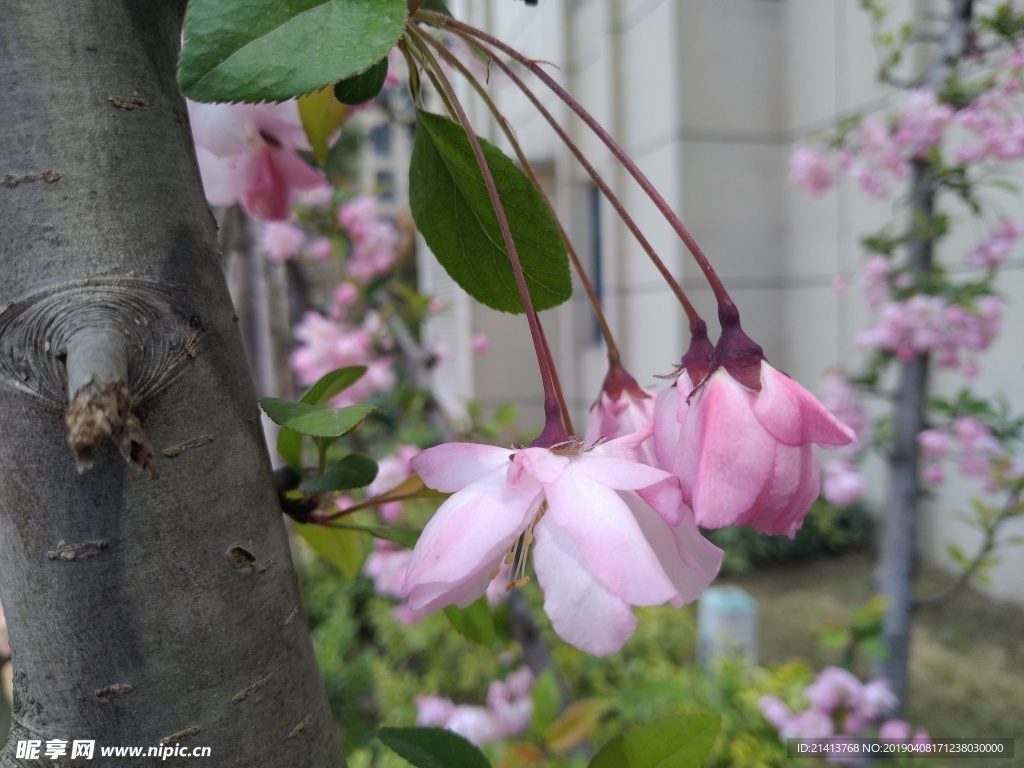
[140, 610]
[894, 576]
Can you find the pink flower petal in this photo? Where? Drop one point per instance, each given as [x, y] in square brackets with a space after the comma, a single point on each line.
[582, 611]
[689, 560]
[465, 541]
[608, 538]
[452, 466]
[793, 416]
[735, 456]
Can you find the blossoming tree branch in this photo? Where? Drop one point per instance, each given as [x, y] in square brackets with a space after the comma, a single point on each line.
[611, 514]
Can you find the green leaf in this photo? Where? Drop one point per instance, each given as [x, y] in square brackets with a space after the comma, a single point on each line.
[675, 742]
[272, 50]
[474, 622]
[311, 420]
[289, 446]
[545, 701]
[453, 211]
[340, 547]
[433, 748]
[408, 538]
[330, 384]
[353, 471]
[321, 116]
[360, 88]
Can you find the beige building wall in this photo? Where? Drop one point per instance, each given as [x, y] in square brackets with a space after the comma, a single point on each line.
[710, 98]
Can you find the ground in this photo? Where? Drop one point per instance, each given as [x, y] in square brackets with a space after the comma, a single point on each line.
[967, 677]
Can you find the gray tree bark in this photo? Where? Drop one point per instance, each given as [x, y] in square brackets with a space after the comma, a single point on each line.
[894, 576]
[140, 610]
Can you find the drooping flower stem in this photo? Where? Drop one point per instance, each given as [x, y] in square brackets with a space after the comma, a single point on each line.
[479, 37]
[554, 431]
[691, 314]
[614, 358]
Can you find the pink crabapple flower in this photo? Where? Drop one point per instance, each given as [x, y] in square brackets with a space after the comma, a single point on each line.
[622, 408]
[281, 241]
[480, 343]
[320, 249]
[673, 403]
[745, 453]
[811, 169]
[508, 711]
[608, 533]
[247, 154]
[922, 122]
[386, 566]
[392, 471]
[842, 484]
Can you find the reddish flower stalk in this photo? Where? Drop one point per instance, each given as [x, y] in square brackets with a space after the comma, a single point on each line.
[721, 294]
[554, 431]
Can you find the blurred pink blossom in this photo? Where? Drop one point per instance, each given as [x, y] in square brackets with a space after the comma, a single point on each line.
[811, 169]
[247, 154]
[281, 240]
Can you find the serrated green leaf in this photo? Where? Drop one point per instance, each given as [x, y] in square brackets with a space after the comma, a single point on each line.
[272, 50]
[407, 538]
[433, 748]
[453, 211]
[311, 420]
[675, 742]
[353, 471]
[331, 384]
[360, 88]
[545, 701]
[340, 547]
[474, 622]
[321, 116]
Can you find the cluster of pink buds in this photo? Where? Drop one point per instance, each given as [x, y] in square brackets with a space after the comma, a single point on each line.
[507, 713]
[840, 705]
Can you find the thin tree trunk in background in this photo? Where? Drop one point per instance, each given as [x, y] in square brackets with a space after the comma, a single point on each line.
[898, 546]
[140, 610]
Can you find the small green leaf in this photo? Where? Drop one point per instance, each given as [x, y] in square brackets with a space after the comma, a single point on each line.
[289, 447]
[272, 50]
[340, 547]
[545, 701]
[475, 622]
[311, 420]
[331, 384]
[353, 471]
[360, 88]
[321, 116]
[408, 538]
[675, 742]
[453, 211]
[433, 748]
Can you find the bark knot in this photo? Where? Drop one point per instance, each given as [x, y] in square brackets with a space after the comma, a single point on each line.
[101, 411]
